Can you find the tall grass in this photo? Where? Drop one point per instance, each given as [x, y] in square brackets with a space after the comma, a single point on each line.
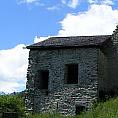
[48, 115]
[44, 115]
[108, 109]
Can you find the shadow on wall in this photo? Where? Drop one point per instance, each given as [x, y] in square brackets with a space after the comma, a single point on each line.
[105, 95]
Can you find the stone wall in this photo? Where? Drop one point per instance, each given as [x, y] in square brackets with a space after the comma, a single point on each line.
[113, 60]
[103, 75]
[112, 67]
[62, 97]
[108, 66]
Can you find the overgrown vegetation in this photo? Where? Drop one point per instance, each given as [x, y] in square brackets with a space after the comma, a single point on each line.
[108, 109]
[44, 115]
[15, 103]
[12, 103]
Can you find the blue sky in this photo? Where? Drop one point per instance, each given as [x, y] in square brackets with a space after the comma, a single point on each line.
[23, 22]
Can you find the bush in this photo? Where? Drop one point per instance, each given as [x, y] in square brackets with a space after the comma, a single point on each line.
[12, 103]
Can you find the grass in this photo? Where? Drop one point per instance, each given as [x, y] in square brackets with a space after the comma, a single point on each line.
[44, 115]
[108, 109]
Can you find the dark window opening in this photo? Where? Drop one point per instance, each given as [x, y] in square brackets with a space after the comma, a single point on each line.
[71, 74]
[79, 109]
[44, 79]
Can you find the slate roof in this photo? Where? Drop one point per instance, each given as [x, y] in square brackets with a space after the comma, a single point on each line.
[68, 42]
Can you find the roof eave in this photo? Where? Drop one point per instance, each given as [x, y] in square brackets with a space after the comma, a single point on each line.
[62, 47]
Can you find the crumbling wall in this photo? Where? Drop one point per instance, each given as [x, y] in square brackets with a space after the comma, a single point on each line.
[62, 97]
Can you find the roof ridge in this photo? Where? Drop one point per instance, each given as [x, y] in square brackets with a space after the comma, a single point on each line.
[77, 36]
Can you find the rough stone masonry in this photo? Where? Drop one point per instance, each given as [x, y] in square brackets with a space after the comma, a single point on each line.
[68, 74]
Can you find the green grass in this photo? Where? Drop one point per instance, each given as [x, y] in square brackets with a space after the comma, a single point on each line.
[45, 115]
[108, 109]
[11, 103]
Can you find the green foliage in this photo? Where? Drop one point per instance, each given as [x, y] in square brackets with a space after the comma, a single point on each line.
[48, 115]
[15, 103]
[12, 103]
[108, 109]
[44, 115]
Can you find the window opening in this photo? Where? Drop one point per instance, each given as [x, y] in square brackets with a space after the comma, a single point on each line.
[44, 79]
[71, 74]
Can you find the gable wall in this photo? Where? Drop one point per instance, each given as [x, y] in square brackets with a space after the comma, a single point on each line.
[62, 97]
[103, 81]
[113, 61]
[108, 69]
[112, 66]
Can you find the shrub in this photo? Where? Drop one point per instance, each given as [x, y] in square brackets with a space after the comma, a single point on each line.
[12, 103]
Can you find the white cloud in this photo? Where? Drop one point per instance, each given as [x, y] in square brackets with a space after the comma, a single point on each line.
[93, 1]
[9, 87]
[28, 1]
[13, 63]
[63, 1]
[53, 8]
[70, 3]
[107, 2]
[98, 20]
[73, 3]
[39, 39]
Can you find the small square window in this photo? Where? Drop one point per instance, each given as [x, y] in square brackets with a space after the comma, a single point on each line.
[71, 74]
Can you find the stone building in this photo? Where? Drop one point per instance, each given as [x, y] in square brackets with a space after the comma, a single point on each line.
[68, 74]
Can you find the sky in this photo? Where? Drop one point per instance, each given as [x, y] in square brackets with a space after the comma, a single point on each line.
[24, 22]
